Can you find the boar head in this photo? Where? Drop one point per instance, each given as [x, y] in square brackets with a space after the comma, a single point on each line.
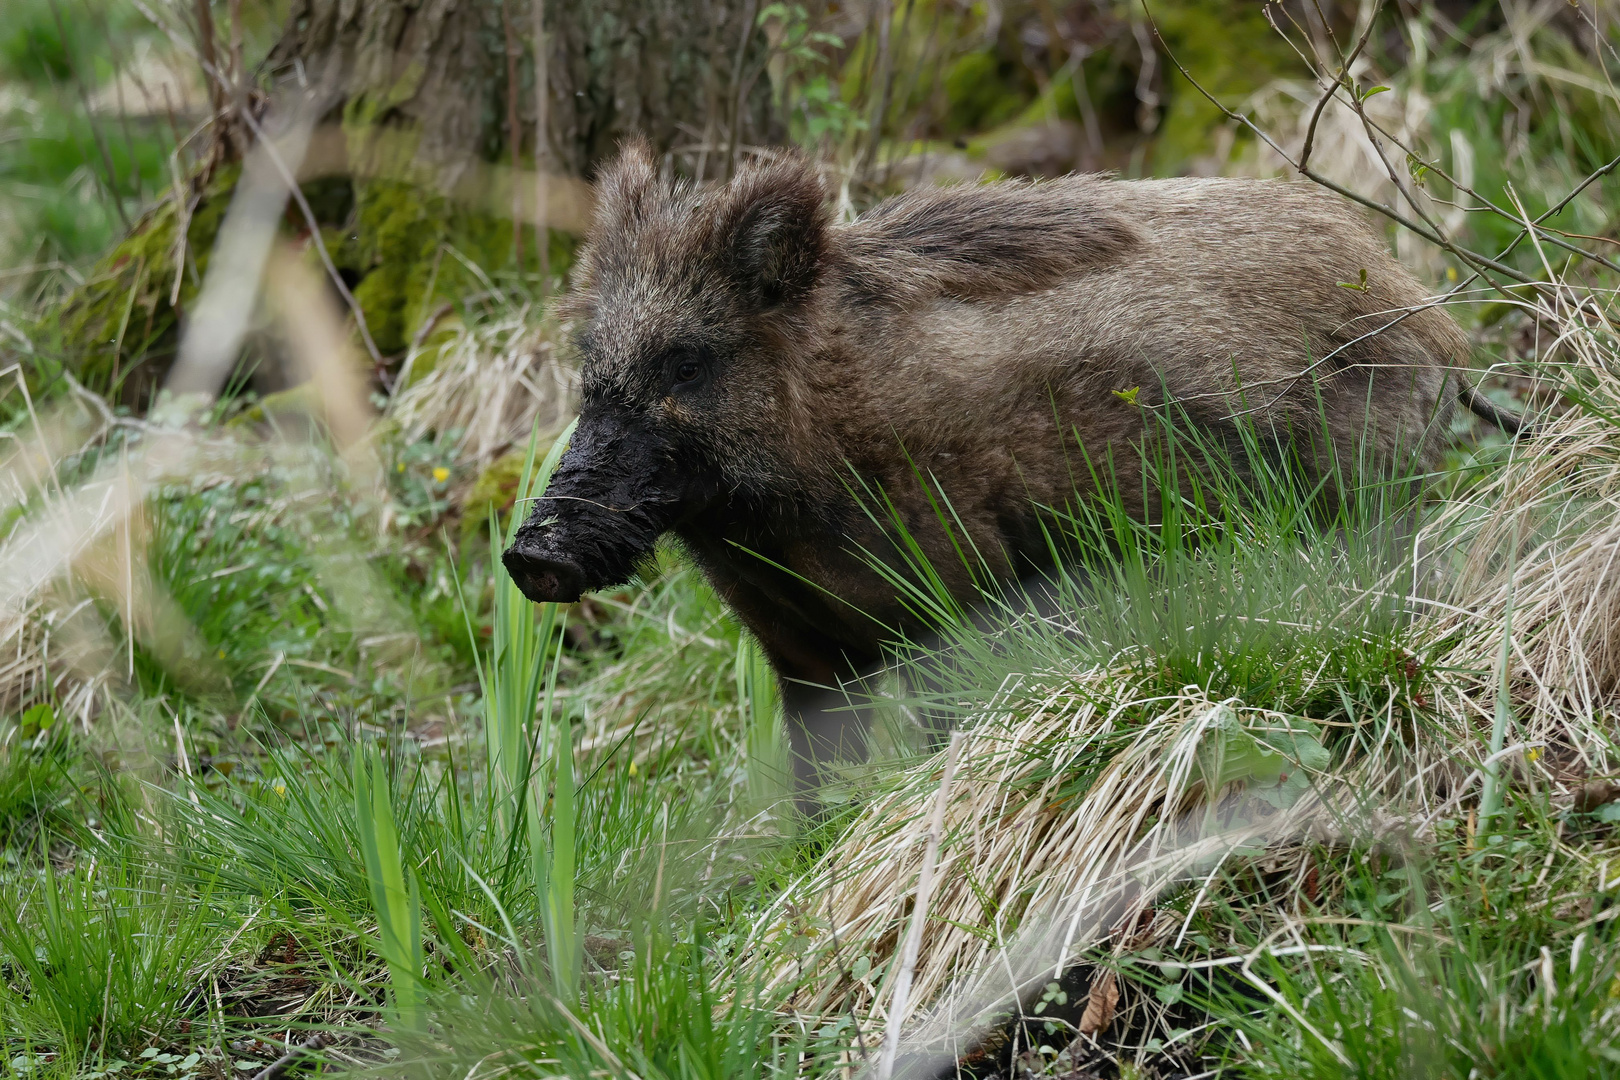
[686, 302]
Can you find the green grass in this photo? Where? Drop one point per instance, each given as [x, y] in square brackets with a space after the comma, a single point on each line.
[1457, 961]
[1250, 583]
[69, 181]
[37, 779]
[102, 959]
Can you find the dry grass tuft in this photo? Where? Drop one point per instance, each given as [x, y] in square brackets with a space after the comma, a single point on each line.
[1543, 535]
[492, 383]
[1074, 806]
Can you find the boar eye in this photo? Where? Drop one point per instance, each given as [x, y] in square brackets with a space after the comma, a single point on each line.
[685, 369]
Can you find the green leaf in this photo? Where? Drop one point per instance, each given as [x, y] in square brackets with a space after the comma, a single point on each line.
[554, 868]
[394, 894]
[1274, 762]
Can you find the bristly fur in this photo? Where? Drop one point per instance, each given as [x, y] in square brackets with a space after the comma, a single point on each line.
[977, 242]
[969, 335]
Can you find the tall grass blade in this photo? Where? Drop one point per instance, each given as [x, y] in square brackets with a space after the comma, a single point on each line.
[554, 870]
[1490, 799]
[394, 891]
[756, 690]
[512, 676]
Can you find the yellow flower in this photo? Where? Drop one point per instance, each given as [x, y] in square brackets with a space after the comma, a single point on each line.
[221, 654]
[440, 474]
[1533, 754]
[632, 768]
[400, 467]
[280, 788]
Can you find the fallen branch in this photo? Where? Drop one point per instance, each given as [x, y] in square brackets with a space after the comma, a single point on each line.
[296, 1057]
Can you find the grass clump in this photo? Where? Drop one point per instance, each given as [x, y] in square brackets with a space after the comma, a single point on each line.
[1451, 960]
[105, 956]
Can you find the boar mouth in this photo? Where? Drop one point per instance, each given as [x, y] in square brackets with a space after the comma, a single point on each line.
[614, 493]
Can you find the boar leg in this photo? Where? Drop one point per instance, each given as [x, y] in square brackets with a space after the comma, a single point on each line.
[931, 674]
[827, 721]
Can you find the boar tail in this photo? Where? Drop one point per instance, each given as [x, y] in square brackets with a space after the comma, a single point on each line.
[1511, 423]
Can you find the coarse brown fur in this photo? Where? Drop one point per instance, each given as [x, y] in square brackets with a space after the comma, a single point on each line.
[967, 334]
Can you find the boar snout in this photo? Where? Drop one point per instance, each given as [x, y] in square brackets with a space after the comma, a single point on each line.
[545, 578]
[616, 490]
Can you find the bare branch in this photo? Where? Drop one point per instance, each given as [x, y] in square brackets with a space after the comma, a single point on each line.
[1473, 258]
[1333, 88]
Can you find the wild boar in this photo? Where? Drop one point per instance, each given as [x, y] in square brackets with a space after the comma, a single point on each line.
[749, 365]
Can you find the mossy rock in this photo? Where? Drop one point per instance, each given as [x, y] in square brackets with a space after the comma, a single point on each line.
[402, 249]
[411, 249]
[118, 331]
[494, 492]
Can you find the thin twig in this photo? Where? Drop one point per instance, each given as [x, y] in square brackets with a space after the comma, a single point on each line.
[294, 1057]
[95, 129]
[206, 55]
[514, 129]
[750, 16]
[1333, 88]
[1552, 236]
[314, 234]
[1474, 259]
[542, 102]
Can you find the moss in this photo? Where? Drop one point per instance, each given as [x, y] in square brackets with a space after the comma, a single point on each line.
[117, 331]
[292, 406]
[399, 230]
[415, 249]
[984, 90]
[495, 491]
[1232, 50]
[403, 249]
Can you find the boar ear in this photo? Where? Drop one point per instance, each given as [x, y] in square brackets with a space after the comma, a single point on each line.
[628, 185]
[771, 230]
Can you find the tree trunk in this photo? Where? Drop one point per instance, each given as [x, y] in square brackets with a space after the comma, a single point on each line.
[411, 177]
[427, 153]
[670, 70]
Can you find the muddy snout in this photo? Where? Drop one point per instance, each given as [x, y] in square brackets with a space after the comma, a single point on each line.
[560, 554]
[546, 576]
[614, 493]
